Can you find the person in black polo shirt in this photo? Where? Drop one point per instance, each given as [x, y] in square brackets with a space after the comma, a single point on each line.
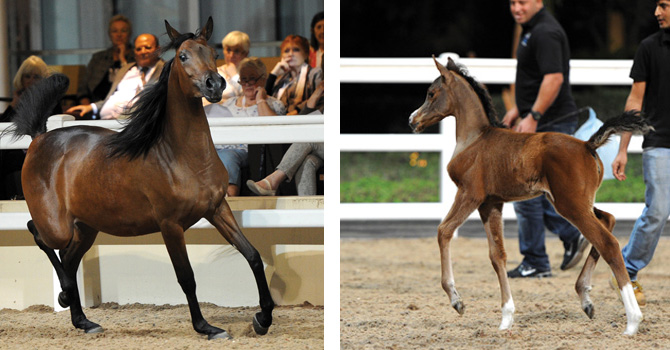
[543, 103]
[649, 93]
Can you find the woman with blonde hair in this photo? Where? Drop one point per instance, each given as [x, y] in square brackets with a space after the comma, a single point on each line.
[236, 46]
[32, 70]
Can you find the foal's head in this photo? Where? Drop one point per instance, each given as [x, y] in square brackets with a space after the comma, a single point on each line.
[195, 63]
[444, 95]
[439, 103]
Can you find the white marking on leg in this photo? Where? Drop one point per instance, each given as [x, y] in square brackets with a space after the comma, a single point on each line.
[633, 313]
[507, 315]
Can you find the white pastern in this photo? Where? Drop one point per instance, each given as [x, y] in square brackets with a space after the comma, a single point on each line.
[633, 313]
[507, 315]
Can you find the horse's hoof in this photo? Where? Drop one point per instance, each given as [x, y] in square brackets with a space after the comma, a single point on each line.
[460, 308]
[94, 330]
[588, 309]
[63, 300]
[260, 330]
[222, 335]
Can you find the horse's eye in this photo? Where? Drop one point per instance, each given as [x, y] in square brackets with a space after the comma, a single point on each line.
[183, 57]
[431, 94]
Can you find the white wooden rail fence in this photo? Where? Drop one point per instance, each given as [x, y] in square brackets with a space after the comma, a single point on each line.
[486, 71]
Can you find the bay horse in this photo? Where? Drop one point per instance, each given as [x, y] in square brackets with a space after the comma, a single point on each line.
[160, 173]
[492, 165]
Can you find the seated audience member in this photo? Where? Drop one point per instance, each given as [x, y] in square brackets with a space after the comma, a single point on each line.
[316, 41]
[130, 80]
[235, 48]
[103, 66]
[302, 160]
[292, 80]
[31, 71]
[253, 102]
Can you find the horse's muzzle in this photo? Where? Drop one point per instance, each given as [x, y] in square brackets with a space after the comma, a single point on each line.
[413, 124]
[214, 86]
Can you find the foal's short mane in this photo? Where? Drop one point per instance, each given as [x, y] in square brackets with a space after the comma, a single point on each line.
[481, 92]
[147, 120]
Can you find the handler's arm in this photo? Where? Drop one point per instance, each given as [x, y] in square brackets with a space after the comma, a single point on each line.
[634, 102]
[549, 89]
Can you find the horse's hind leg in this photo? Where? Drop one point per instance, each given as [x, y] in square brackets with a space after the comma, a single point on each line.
[225, 223]
[459, 212]
[173, 235]
[66, 269]
[583, 284]
[608, 247]
[491, 215]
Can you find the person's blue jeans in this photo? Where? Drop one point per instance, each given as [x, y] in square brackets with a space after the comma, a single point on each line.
[535, 214]
[648, 228]
[233, 159]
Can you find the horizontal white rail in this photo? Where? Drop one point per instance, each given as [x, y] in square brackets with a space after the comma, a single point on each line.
[251, 130]
[250, 218]
[485, 70]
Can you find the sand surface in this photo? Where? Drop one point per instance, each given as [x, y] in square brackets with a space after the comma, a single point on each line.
[391, 298]
[140, 326]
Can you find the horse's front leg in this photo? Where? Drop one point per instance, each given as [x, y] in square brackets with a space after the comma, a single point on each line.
[459, 212]
[173, 235]
[225, 223]
[491, 215]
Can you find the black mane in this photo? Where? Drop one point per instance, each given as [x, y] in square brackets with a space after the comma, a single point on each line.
[147, 120]
[481, 92]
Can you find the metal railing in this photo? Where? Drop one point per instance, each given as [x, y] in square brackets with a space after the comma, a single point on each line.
[486, 71]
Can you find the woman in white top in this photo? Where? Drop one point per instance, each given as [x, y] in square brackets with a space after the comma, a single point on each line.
[253, 102]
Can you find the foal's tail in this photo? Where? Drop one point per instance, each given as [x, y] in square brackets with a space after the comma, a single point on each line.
[630, 121]
[36, 104]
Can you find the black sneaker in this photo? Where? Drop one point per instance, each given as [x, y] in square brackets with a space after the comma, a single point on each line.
[524, 270]
[573, 254]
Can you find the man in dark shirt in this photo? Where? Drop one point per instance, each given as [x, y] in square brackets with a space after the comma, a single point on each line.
[649, 93]
[543, 103]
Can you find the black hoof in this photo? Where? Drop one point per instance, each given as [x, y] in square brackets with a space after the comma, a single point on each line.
[589, 311]
[460, 308]
[94, 330]
[260, 330]
[222, 335]
[63, 300]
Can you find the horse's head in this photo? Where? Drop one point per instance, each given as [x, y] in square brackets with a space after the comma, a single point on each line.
[438, 103]
[195, 62]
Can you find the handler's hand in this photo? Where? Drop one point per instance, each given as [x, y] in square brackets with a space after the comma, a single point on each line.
[619, 166]
[527, 124]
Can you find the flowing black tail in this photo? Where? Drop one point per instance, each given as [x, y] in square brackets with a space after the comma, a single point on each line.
[630, 121]
[36, 104]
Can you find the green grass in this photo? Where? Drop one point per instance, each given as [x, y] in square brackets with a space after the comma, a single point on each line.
[631, 190]
[384, 177]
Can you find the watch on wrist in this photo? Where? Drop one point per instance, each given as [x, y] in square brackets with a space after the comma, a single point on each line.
[536, 115]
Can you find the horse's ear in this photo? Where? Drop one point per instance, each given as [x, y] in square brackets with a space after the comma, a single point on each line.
[206, 31]
[171, 32]
[451, 65]
[443, 70]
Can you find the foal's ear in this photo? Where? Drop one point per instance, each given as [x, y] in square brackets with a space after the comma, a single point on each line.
[206, 31]
[443, 70]
[171, 32]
